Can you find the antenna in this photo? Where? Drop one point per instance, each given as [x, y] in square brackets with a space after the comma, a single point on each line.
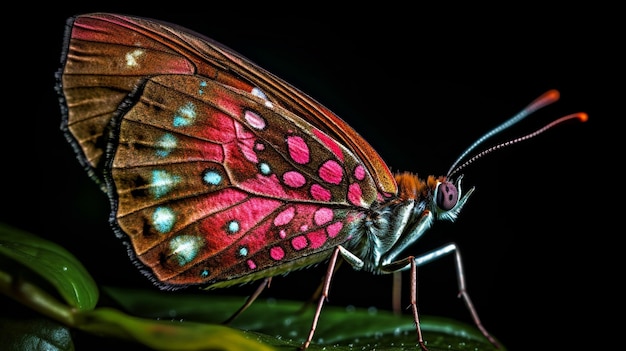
[546, 99]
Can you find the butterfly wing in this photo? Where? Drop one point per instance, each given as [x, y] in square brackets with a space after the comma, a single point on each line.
[214, 184]
[107, 56]
[218, 172]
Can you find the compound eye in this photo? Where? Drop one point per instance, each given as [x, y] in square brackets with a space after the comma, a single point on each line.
[447, 196]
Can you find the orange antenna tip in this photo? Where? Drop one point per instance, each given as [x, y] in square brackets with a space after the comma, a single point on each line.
[549, 97]
[552, 95]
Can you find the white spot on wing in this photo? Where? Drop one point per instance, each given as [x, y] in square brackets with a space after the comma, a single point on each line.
[254, 120]
[132, 58]
[258, 92]
[165, 144]
[185, 248]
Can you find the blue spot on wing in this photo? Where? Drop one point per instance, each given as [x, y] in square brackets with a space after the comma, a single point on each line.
[212, 177]
[233, 227]
[163, 219]
[264, 168]
[163, 182]
[185, 116]
[166, 144]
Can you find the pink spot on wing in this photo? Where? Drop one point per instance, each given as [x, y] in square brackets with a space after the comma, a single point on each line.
[294, 179]
[284, 217]
[298, 149]
[299, 242]
[304, 228]
[259, 147]
[334, 229]
[330, 144]
[318, 192]
[254, 120]
[317, 238]
[241, 132]
[331, 172]
[323, 216]
[245, 142]
[277, 253]
[359, 172]
[282, 233]
[248, 153]
[251, 264]
[355, 194]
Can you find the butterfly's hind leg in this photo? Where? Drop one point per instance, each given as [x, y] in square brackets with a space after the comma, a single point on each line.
[264, 284]
[396, 293]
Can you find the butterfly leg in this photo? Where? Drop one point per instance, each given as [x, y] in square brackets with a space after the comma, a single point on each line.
[466, 298]
[332, 263]
[396, 293]
[412, 263]
[395, 268]
[265, 283]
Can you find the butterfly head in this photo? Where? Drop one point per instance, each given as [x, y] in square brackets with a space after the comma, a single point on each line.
[448, 198]
[442, 196]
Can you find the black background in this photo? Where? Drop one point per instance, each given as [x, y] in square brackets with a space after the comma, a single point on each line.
[420, 86]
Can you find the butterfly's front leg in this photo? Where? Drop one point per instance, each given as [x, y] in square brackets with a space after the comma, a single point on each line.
[413, 262]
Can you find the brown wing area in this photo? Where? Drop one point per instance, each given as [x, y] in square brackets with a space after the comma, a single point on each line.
[107, 57]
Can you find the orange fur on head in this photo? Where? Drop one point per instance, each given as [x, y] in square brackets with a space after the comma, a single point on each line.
[410, 186]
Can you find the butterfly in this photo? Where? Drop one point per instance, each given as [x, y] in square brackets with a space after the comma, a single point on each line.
[220, 173]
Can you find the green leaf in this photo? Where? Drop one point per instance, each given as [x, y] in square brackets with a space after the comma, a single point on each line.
[59, 268]
[168, 335]
[36, 333]
[282, 324]
[53, 263]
